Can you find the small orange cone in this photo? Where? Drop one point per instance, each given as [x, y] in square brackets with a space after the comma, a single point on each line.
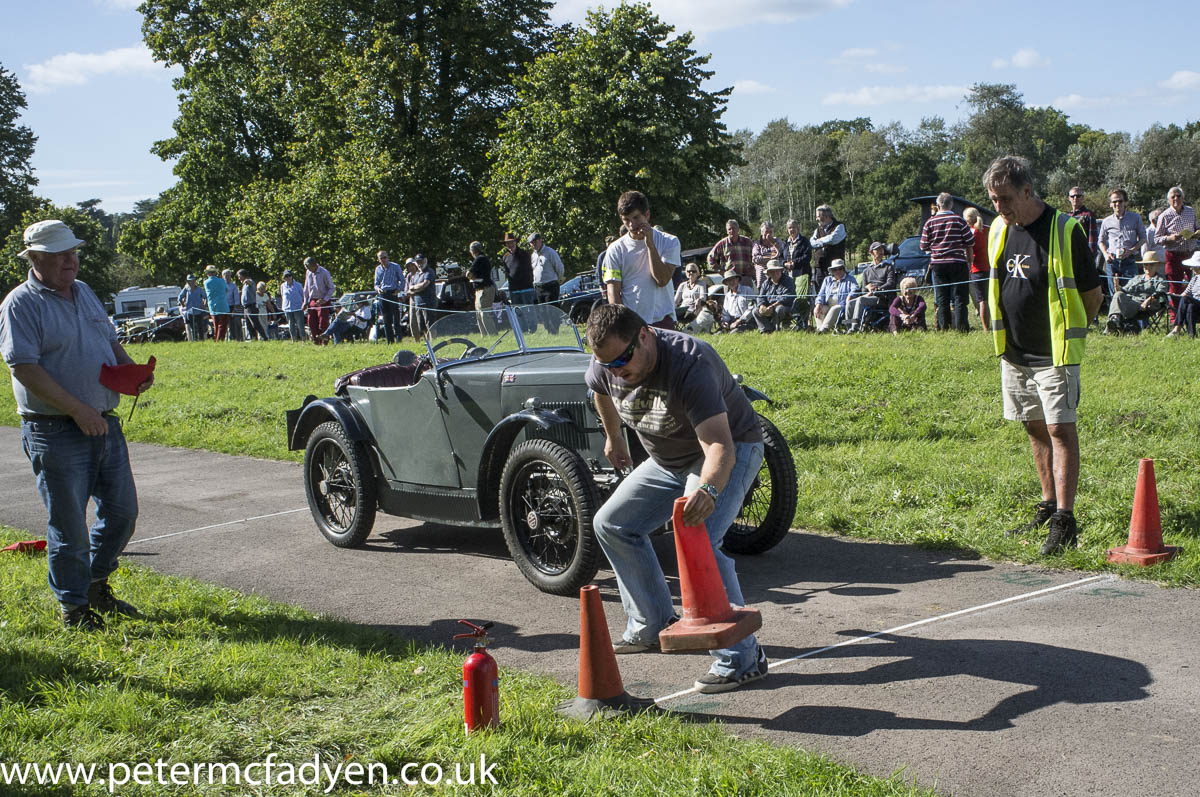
[709, 622]
[600, 689]
[1145, 546]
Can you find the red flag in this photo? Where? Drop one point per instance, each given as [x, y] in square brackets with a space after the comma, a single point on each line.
[126, 378]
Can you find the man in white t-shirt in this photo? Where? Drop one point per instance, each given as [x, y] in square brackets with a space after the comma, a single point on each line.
[639, 265]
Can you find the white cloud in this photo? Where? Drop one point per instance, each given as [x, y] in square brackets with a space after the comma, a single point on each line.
[1025, 58]
[883, 95]
[709, 16]
[752, 87]
[1182, 81]
[1078, 101]
[885, 69]
[76, 69]
[859, 52]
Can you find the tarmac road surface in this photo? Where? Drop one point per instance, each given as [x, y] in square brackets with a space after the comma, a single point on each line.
[978, 678]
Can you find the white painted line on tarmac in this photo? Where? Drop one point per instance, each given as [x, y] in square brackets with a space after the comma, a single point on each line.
[907, 626]
[214, 526]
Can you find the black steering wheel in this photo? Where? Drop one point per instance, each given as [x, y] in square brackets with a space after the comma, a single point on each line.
[470, 344]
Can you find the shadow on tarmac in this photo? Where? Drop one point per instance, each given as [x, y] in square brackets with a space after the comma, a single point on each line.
[1053, 674]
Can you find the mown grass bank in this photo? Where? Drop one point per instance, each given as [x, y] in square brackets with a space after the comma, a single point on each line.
[897, 439]
[210, 675]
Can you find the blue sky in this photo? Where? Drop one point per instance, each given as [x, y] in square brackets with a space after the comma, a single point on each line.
[97, 101]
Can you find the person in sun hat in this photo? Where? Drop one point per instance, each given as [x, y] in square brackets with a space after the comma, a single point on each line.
[55, 337]
[1144, 293]
[192, 305]
[1185, 315]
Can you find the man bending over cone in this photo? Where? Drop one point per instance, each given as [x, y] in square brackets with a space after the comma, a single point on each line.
[698, 428]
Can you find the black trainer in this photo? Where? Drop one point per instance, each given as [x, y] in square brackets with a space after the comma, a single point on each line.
[1063, 534]
[711, 684]
[83, 618]
[1045, 510]
[102, 599]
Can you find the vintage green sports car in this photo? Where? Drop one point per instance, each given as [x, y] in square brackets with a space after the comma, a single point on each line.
[493, 426]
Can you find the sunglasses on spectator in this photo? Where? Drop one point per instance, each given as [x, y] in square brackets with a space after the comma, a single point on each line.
[1075, 196]
[624, 358]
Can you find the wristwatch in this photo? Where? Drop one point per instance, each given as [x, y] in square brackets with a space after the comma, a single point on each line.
[713, 492]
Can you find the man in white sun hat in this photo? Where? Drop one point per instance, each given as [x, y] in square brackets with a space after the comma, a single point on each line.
[54, 337]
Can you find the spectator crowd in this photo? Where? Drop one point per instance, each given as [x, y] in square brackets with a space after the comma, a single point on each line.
[1150, 276]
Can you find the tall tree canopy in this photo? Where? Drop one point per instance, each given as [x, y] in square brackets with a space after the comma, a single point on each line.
[16, 148]
[616, 105]
[331, 128]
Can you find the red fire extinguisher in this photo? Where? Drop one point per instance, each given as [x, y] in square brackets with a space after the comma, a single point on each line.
[481, 682]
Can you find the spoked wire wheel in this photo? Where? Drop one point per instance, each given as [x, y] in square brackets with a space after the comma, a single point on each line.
[340, 485]
[770, 503]
[547, 499]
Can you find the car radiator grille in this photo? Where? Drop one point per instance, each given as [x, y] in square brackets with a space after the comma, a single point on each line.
[569, 435]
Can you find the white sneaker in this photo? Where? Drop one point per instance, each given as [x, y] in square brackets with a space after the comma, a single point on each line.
[1174, 331]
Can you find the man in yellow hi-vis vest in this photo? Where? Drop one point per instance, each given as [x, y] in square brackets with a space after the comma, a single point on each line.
[1042, 290]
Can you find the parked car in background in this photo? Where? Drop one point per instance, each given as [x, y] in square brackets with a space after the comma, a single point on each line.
[908, 259]
[493, 429]
[578, 295]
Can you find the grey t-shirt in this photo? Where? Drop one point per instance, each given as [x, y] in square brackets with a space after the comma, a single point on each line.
[689, 385]
[71, 340]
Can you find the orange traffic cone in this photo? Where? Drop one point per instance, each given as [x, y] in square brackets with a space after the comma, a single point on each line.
[1145, 545]
[709, 622]
[600, 689]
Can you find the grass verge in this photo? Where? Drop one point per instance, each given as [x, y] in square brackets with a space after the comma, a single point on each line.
[214, 676]
[895, 439]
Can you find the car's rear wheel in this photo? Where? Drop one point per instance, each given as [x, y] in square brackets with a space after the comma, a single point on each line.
[547, 500]
[340, 485]
[770, 503]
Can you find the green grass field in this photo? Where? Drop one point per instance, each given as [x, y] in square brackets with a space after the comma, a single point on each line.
[214, 676]
[896, 439]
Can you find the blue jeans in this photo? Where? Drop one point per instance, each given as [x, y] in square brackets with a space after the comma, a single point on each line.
[644, 501]
[1123, 270]
[295, 320]
[70, 469]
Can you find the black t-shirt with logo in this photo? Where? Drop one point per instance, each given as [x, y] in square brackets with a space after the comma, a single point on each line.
[1024, 287]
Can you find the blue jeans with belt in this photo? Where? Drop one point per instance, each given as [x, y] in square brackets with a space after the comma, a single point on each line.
[643, 502]
[72, 468]
[1124, 270]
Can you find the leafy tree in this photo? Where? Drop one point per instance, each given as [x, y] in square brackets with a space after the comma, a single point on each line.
[1156, 160]
[616, 105]
[95, 256]
[331, 127]
[16, 148]
[860, 152]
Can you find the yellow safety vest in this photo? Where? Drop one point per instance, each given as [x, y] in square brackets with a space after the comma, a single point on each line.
[1068, 319]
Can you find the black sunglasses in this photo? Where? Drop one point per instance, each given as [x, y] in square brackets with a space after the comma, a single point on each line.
[624, 358]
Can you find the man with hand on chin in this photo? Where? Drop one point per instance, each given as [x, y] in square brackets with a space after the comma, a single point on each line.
[703, 440]
[639, 265]
[55, 336]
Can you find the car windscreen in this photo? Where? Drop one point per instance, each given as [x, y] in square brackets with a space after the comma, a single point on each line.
[545, 326]
[459, 335]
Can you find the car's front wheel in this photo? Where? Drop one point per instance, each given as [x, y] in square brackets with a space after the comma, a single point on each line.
[770, 503]
[340, 485]
[547, 500]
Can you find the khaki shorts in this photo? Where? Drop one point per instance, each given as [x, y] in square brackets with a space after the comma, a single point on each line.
[1040, 394]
